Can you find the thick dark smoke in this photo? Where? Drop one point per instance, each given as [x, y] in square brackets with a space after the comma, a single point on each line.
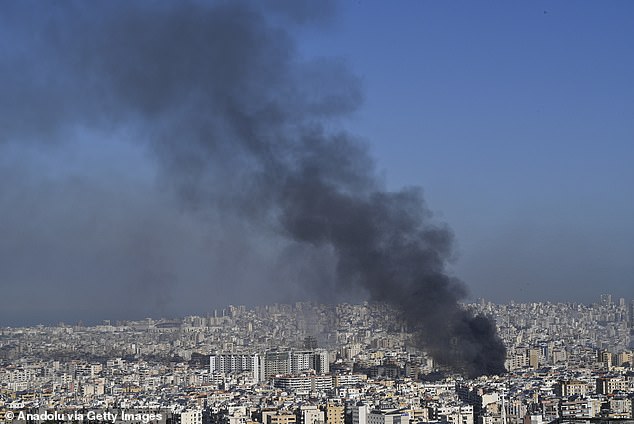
[239, 123]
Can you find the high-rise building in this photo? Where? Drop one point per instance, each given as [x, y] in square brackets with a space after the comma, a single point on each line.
[303, 384]
[275, 363]
[294, 362]
[533, 358]
[228, 363]
[605, 357]
[301, 360]
[321, 361]
[624, 358]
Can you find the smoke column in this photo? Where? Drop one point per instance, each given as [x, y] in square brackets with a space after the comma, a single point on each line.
[238, 122]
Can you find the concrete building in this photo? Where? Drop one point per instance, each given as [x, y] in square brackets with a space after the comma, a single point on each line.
[304, 383]
[335, 414]
[311, 414]
[229, 363]
[194, 416]
[275, 363]
[566, 388]
[609, 385]
[395, 416]
[360, 412]
[281, 418]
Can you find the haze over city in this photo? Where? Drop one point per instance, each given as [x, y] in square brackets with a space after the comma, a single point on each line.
[515, 120]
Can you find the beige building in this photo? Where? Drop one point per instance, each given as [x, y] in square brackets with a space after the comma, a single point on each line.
[335, 414]
[567, 388]
[281, 418]
[609, 385]
[533, 358]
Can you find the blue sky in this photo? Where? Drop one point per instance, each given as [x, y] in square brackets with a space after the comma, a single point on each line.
[517, 119]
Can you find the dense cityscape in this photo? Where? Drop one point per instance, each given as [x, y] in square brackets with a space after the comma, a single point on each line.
[171, 157]
[307, 363]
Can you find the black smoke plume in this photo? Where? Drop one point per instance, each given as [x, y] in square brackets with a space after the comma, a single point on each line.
[240, 123]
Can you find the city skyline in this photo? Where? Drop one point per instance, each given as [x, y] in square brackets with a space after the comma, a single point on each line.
[514, 119]
[563, 361]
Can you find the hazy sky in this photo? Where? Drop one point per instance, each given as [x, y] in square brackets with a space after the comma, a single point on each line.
[516, 119]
